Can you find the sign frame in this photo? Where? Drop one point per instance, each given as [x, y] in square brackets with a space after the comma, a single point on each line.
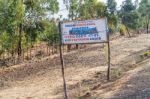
[62, 59]
[102, 41]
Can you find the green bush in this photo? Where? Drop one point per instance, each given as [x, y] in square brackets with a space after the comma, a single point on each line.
[147, 53]
[5, 41]
[122, 30]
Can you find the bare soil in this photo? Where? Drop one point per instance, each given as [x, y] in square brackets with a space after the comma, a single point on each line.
[85, 72]
[135, 84]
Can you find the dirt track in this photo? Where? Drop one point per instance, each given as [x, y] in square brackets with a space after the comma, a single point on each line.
[138, 86]
[84, 69]
[135, 84]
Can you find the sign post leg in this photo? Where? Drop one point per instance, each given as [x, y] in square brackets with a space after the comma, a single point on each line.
[62, 65]
[108, 61]
[63, 72]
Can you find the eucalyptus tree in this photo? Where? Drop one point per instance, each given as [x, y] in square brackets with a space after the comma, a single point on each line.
[53, 6]
[129, 15]
[20, 18]
[112, 15]
[144, 8]
[112, 6]
[11, 16]
[20, 13]
[37, 11]
[92, 9]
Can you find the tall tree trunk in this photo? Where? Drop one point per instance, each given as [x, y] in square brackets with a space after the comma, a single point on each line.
[20, 40]
[12, 49]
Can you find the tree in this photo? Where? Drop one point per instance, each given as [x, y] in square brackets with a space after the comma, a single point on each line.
[53, 6]
[112, 15]
[11, 16]
[144, 7]
[5, 42]
[111, 6]
[101, 9]
[129, 15]
[50, 34]
[36, 15]
[22, 20]
[73, 7]
[92, 9]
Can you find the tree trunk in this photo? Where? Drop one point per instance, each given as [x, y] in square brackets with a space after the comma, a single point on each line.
[12, 49]
[20, 40]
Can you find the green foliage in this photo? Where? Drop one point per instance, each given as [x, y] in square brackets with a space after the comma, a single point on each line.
[50, 33]
[111, 5]
[112, 15]
[101, 9]
[92, 9]
[53, 6]
[73, 9]
[27, 21]
[112, 23]
[8, 16]
[116, 73]
[122, 30]
[147, 54]
[5, 41]
[112, 29]
[143, 9]
[24, 41]
[129, 15]
[131, 20]
[22, 21]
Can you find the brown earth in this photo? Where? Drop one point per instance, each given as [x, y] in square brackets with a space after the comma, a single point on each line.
[85, 72]
[135, 84]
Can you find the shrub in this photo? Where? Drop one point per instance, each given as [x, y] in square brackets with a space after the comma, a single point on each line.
[122, 30]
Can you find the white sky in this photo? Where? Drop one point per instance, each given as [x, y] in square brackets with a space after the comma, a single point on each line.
[64, 12]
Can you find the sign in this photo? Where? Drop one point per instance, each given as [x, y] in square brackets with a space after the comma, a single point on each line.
[88, 31]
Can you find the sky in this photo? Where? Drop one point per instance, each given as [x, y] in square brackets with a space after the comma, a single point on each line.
[64, 12]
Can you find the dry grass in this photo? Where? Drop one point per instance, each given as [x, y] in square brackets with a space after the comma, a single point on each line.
[85, 72]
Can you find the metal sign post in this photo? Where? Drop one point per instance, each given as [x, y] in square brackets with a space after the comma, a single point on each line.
[108, 61]
[62, 64]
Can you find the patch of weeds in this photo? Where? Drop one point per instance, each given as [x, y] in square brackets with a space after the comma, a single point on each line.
[141, 57]
[78, 90]
[116, 73]
[146, 54]
[88, 96]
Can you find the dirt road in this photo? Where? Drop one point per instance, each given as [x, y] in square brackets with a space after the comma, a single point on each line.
[135, 84]
[138, 86]
[83, 69]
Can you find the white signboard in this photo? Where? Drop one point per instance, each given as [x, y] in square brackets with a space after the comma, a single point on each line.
[88, 31]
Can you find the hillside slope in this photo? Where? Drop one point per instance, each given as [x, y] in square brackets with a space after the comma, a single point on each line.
[84, 69]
